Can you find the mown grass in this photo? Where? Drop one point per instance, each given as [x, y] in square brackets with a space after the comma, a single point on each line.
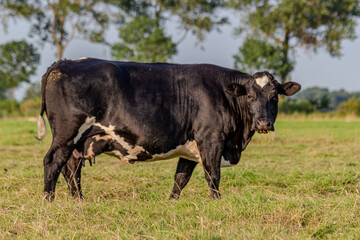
[301, 182]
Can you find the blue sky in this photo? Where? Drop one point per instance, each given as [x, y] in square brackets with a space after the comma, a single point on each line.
[310, 70]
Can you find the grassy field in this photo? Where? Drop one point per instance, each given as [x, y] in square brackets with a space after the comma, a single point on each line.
[301, 182]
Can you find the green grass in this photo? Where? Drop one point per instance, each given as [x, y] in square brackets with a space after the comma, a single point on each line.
[301, 182]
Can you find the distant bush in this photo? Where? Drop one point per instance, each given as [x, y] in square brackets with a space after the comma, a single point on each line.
[9, 108]
[351, 106]
[27, 108]
[30, 107]
[300, 106]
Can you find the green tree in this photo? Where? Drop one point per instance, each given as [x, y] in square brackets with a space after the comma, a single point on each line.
[312, 93]
[276, 28]
[340, 96]
[143, 34]
[324, 102]
[2, 94]
[148, 42]
[325, 99]
[18, 61]
[14, 9]
[58, 22]
[257, 54]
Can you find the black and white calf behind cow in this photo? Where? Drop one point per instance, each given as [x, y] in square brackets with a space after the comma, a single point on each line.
[147, 112]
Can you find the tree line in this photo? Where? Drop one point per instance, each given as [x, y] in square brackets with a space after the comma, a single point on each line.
[322, 99]
[272, 29]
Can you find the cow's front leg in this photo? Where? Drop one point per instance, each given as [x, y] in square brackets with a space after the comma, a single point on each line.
[212, 175]
[183, 173]
[72, 174]
[211, 157]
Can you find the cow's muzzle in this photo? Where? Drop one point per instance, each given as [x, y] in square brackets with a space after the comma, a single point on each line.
[263, 126]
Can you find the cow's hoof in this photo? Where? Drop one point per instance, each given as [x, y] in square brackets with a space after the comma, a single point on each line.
[215, 195]
[50, 196]
[77, 195]
[174, 196]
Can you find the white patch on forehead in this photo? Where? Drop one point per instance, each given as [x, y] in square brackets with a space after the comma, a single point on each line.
[225, 163]
[189, 151]
[262, 81]
[89, 121]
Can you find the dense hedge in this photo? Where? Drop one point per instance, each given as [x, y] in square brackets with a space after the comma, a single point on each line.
[9, 108]
[351, 106]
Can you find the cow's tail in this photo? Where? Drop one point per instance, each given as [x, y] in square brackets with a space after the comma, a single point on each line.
[41, 123]
[41, 126]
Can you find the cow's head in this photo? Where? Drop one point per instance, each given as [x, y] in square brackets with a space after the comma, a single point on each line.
[261, 95]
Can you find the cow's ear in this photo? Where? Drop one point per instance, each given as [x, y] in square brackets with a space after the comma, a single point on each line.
[289, 88]
[235, 90]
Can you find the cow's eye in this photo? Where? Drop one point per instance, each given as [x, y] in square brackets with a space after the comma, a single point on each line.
[251, 98]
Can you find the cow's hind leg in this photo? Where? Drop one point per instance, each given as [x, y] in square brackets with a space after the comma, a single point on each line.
[183, 173]
[54, 160]
[72, 174]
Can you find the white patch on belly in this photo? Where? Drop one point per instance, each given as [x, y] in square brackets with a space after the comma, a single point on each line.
[189, 151]
[89, 121]
[262, 81]
[225, 163]
[132, 150]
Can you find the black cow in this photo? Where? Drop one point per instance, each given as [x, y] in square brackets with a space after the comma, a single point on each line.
[146, 112]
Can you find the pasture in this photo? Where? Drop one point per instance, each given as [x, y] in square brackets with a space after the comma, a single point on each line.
[301, 182]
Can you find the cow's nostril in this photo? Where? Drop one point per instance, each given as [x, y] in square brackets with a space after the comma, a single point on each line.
[264, 124]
